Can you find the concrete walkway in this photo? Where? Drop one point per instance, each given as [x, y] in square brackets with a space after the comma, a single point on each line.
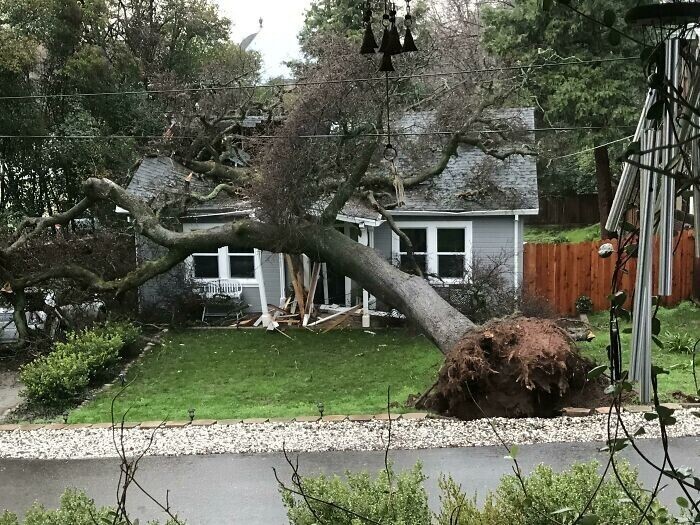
[241, 489]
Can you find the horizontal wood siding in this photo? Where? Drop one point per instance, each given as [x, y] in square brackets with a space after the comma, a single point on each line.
[561, 273]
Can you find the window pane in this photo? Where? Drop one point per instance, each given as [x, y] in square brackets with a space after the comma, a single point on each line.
[450, 240]
[407, 267]
[242, 266]
[206, 267]
[418, 239]
[240, 249]
[451, 266]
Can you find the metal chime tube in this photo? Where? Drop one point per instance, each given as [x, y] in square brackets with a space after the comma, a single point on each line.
[628, 178]
[668, 184]
[640, 366]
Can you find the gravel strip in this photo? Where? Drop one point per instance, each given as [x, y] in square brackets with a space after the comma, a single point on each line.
[324, 436]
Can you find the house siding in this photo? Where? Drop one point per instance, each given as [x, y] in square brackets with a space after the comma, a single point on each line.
[158, 296]
[382, 240]
[491, 237]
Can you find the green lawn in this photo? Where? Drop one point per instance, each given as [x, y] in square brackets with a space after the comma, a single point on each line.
[249, 373]
[553, 234]
[684, 319]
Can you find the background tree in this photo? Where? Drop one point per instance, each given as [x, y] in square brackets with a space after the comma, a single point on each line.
[605, 95]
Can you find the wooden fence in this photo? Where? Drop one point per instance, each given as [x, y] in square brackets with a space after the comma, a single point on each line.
[561, 273]
[580, 209]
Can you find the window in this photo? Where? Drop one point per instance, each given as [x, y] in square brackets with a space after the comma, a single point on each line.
[229, 262]
[443, 248]
[206, 264]
[419, 241]
[451, 252]
[241, 262]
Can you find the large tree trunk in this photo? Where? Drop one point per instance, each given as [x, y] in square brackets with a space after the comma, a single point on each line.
[411, 295]
[605, 190]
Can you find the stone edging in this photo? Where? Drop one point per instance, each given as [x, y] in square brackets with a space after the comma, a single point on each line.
[413, 416]
[153, 425]
[633, 409]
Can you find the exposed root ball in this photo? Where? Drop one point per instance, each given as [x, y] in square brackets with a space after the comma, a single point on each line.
[519, 367]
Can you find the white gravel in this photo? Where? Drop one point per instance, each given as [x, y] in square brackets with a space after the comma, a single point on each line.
[324, 436]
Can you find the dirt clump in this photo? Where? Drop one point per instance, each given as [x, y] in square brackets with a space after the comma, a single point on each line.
[518, 367]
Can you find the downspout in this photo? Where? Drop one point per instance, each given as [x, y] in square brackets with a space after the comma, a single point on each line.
[517, 246]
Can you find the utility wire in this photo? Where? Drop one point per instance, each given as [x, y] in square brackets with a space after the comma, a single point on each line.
[320, 82]
[319, 136]
[593, 148]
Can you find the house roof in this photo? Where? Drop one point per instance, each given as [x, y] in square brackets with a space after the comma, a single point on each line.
[473, 182]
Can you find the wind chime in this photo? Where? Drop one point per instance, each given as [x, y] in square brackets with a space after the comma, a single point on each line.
[665, 125]
[391, 45]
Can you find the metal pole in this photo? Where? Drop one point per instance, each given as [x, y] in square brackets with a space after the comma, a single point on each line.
[667, 190]
[640, 366]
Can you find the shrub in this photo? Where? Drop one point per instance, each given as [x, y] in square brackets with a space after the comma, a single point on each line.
[76, 508]
[584, 305]
[680, 343]
[365, 496]
[85, 358]
[128, 332]
[548, 494]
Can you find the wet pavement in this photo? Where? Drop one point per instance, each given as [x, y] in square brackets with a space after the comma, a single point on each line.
[241, 489]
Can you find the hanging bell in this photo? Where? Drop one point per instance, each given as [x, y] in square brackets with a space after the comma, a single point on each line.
[394, 47]
[409, 46]
[387, 65]
[369, 43]
[385, 40]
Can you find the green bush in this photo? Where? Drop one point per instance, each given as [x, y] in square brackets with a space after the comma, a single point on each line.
[549, 494]
[76, 508]
[679, 343]
[86, 357]
[363, 495]
[128, 332]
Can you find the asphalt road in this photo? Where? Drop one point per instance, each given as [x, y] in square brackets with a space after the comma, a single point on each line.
[241, 489]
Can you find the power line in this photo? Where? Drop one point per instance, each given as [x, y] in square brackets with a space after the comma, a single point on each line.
[318, 83]
[320, 136]
[593, 148]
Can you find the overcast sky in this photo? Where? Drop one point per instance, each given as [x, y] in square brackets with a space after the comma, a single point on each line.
[282, 21]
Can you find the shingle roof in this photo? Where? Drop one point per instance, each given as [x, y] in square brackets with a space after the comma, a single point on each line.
[157, 177]
[473, 181]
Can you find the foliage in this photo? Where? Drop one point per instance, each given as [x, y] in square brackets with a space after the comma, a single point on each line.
[85, 357]
[75, 508]
[548, 494]
[404, 501]
[605, 94]
[679, 342]
[51, 47]
[489, 291]
[230, 374]
[559, 234]
[683, 318]
[584, 305]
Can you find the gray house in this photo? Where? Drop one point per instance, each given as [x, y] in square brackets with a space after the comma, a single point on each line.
[474, 209]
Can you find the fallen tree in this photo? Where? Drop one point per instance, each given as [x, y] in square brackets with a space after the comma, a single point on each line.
[287, 186]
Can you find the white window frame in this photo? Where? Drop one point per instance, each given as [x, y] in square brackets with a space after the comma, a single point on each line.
[431, 259]
[223, 261]
[252, 255]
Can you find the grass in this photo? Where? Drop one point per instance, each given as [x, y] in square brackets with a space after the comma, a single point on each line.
[559, 234]
[685, 318]
[245, 374]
